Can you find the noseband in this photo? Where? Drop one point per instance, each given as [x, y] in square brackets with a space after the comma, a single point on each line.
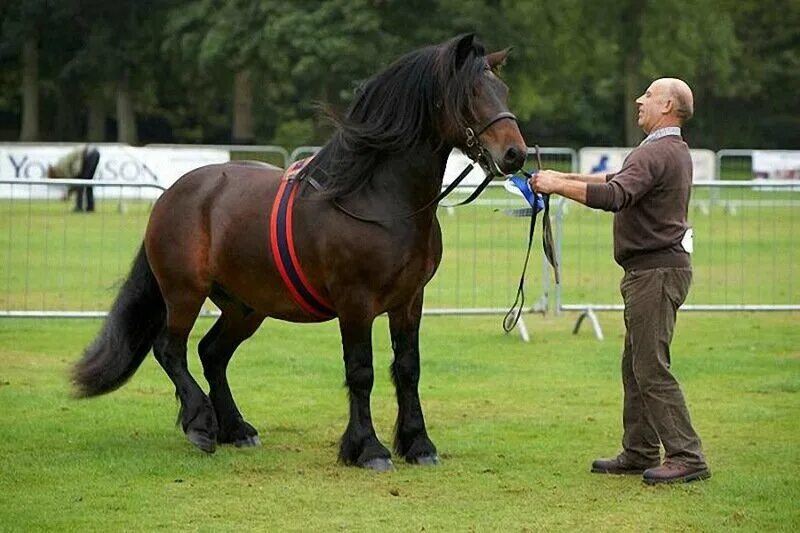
[475, 149]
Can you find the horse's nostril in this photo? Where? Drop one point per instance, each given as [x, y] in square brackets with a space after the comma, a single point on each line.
[514, 158]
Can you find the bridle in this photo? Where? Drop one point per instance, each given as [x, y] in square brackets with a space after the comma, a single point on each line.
[475, 150]
[478, 152]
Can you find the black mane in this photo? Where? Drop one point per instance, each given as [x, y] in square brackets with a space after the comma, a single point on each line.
[425, 96]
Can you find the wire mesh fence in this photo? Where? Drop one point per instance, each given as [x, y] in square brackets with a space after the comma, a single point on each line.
[745, 250]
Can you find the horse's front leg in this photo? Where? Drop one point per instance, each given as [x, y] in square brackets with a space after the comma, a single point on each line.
[360, 445]
[411, 437]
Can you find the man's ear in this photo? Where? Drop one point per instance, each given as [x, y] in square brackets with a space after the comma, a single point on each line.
[498, 59]
[669, 105]
[464, 47]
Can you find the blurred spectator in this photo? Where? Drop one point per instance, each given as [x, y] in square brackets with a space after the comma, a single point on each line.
[80, 163]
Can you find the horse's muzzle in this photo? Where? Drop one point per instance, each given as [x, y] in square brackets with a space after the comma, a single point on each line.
[513, 160]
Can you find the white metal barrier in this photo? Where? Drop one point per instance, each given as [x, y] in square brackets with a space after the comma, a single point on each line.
[744, 259]
[56, 263]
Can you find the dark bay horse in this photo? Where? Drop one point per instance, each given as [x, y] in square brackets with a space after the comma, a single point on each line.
[209, 236]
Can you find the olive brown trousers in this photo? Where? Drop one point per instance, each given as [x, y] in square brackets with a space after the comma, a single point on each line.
[654, 407]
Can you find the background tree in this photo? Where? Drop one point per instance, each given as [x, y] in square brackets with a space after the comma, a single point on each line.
[222, 71]
[21, 34]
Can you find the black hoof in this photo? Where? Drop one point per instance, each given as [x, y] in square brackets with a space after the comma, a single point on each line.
[201, 440]
[250, 441]
[379, 464]
[425, 460]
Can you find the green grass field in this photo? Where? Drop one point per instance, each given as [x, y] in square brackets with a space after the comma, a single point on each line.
[517, 424]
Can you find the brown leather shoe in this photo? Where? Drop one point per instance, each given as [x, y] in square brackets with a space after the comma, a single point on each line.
[618, 465]
[671, 472]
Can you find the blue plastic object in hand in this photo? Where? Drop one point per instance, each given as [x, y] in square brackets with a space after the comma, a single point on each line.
[535, 200]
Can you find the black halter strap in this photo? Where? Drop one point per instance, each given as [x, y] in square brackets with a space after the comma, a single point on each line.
[499, 117]
[474, 150]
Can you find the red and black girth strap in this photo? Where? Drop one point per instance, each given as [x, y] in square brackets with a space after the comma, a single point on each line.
[283, 249]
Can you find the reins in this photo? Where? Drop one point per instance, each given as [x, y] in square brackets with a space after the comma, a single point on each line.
[475, 151]
[478, 153]
[456, 182]
[514, 313]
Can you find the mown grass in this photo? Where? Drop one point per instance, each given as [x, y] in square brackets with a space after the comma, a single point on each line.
[516, 425]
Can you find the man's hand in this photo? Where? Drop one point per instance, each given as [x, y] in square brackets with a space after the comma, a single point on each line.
[546, 181]
[550, 181]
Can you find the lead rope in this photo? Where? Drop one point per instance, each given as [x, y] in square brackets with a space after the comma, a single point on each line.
[455, 183]
[515, 312]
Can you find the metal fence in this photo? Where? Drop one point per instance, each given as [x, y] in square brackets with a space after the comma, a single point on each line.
[745, 251]
[564, 159]
[56, 263]
[59, 263]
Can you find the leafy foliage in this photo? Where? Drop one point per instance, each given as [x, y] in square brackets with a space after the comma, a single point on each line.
[568, 71]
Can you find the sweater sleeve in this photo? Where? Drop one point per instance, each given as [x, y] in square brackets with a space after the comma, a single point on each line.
[623, 188]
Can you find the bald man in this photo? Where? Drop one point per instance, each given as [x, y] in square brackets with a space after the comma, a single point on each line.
[649, 197]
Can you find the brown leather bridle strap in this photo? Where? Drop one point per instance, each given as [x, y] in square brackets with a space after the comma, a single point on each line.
[475, 151]
[499, 117]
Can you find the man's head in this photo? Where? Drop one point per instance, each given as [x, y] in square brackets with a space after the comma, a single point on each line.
[667, 102]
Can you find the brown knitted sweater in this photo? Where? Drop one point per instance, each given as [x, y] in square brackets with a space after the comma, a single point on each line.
[650, 200]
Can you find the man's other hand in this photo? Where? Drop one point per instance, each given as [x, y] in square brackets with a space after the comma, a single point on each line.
[546, 181]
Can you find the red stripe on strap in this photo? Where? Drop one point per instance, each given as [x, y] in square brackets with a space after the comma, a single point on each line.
[276, 253]
[293, 255]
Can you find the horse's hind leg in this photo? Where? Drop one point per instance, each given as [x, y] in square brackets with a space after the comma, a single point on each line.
[411, 437]
[236, 324]
[196, 414]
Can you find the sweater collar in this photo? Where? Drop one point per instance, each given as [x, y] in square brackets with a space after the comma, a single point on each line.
[661, 132]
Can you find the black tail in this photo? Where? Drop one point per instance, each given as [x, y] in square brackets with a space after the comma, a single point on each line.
[136, 318]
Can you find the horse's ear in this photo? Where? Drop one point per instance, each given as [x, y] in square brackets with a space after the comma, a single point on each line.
[497, 59]
[464, 46]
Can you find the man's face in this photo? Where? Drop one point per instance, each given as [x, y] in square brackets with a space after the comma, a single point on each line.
[652, 106]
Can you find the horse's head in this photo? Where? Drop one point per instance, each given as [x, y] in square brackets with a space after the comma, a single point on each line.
[476, 115]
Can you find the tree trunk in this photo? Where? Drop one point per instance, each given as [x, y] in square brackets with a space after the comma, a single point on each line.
[96, 128]
[126, 116]
[29, 130]
[67, 123]
[631, 46]
[633, 134]
[242, 131]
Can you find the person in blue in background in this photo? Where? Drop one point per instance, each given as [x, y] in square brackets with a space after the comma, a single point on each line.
[79, 163]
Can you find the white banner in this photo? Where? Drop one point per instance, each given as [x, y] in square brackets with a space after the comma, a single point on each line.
[118, 162]
[599, 159]
[457, 161]
[776, 164]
